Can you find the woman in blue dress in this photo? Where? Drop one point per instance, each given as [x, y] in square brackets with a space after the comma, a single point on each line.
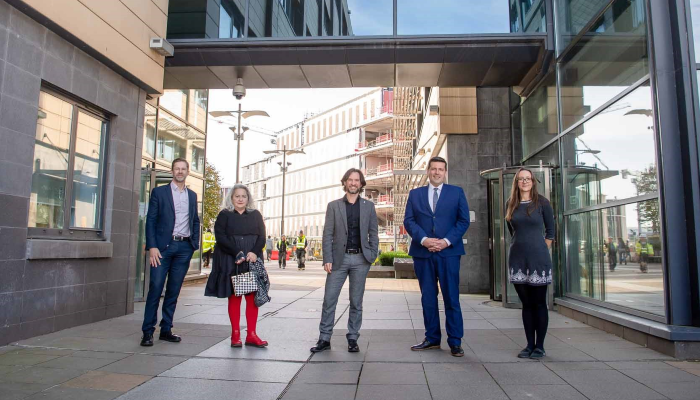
[530, 221]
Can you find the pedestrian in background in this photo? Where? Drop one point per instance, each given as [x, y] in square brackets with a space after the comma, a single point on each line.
[208, 243]
[269, 245]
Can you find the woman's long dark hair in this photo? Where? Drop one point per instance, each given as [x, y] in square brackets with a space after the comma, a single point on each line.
[514, 200]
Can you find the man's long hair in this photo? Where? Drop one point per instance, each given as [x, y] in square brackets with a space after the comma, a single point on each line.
[349, 172]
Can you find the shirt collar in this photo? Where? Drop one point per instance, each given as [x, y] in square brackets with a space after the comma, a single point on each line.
[439, 188]
[345, 199]
[174, 187]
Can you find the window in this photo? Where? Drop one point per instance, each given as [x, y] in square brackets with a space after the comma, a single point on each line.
[68, 176]
[149, 134]
[349, 117]
[231, 21]
[198, 159]
[605, 61]
[371, 108]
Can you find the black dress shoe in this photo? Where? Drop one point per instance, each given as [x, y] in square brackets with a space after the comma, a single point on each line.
[537, 354]
[321, 345]
[147, 339]
[425, 345]
[525, 353]
[352, 346]
[169, 337]
[457, 351]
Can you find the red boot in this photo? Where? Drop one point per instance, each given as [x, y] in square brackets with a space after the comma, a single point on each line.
[236, 339]
[253, 340]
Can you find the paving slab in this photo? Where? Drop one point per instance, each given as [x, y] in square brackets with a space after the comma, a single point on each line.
[306, 391]
[143, 364]
[479, 391]
[523, 374]
[392, 392]
[79, 363]
[392, 374]
[542, 392]
[61, 393]
[330, 373]
[456, 374]
[103, 380]
[20, 358]
[235, 370]
[160, 388]
[678, 390]
[17, 390]
[40, 375]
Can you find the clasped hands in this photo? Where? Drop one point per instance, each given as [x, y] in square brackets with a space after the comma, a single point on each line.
[435, 245]
[251, 257]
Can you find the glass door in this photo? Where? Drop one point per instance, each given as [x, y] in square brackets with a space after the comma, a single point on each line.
[140, 286]
[496, 238]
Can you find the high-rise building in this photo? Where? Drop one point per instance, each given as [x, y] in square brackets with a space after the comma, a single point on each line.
[355, 134]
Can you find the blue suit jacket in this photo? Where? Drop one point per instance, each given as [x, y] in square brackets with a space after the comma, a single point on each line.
[160, 220]
[450, 220]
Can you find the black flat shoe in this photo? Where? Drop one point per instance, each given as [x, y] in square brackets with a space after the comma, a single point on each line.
[353, 347]
[456, 351]
[425, 345]
[525, 353]
[537, 354]
[147, 340]
[321, 345]
[169, 337]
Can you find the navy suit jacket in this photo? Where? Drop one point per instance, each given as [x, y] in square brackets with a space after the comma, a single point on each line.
[450, 220]
[160, 220]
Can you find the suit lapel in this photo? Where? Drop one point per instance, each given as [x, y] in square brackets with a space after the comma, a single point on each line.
[170, 197]
[363, 207]
[424, 197]
[343, 215]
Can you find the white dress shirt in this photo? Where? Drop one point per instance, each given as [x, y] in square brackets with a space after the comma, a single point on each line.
[431, 191]
[181, 202]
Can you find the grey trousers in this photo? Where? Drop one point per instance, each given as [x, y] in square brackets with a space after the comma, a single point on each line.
[356, 267]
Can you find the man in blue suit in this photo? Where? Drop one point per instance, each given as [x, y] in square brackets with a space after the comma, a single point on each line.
[172, 236]
[437, 216]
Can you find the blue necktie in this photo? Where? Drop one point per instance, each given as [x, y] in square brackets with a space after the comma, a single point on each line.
[435, 198]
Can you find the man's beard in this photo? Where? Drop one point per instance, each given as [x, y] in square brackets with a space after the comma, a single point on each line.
[179, 179]
[353, 190]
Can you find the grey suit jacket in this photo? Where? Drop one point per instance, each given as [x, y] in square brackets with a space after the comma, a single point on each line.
[335, 231]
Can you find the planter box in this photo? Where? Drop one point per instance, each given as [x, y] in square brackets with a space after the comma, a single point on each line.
[404, 268]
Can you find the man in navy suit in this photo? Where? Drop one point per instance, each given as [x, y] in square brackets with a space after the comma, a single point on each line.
[172, 236]
[437, 216]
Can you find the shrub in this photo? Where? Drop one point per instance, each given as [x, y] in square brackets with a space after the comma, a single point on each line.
[387, 259]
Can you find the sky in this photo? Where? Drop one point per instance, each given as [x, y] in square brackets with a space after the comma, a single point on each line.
[285, 106]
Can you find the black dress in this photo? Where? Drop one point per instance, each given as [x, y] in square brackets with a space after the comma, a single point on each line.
[529, 261]
[234, 232]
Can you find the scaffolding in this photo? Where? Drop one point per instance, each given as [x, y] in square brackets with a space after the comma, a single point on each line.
[407, 106]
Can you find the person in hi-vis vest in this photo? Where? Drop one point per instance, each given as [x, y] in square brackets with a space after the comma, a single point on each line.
[301, 250]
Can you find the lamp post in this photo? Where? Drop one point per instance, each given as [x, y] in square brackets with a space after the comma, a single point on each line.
[283, 165]
[243, 114]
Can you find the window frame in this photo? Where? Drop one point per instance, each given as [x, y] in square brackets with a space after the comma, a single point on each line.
[68, 232]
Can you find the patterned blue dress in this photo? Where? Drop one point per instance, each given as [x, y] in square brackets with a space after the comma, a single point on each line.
[529, 261]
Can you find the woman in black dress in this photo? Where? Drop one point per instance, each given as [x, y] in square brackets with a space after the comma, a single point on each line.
[238, 228]
[531, 222]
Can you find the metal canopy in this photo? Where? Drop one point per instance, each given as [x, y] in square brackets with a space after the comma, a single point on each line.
[467, 60]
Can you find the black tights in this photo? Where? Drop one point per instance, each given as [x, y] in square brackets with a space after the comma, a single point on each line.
[535, 315]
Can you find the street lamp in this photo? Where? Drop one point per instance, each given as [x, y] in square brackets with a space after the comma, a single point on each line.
[244, 114]
[284, 165]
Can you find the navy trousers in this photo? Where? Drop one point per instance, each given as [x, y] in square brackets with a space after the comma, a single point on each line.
[173, 266]
[445, 270]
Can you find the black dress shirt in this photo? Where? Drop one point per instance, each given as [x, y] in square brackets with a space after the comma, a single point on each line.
[353, 212]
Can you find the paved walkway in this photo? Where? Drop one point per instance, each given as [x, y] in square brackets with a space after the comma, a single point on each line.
[104, 360]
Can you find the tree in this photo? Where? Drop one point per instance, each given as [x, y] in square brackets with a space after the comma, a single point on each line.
[648, 211]
[212, 196]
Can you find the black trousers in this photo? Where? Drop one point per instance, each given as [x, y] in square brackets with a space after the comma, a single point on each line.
[535, 314]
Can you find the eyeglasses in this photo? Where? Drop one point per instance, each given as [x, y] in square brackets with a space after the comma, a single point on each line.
[524, 180]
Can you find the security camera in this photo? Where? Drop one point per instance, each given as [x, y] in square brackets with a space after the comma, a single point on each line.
[239, 89]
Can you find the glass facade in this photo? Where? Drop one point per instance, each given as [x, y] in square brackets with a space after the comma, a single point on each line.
[609, 57]
[597, 112]
[528, 16]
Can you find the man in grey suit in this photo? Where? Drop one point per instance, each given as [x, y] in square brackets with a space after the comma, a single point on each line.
[350, 246]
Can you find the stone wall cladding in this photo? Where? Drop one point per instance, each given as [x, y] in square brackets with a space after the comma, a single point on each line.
[42, 296]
